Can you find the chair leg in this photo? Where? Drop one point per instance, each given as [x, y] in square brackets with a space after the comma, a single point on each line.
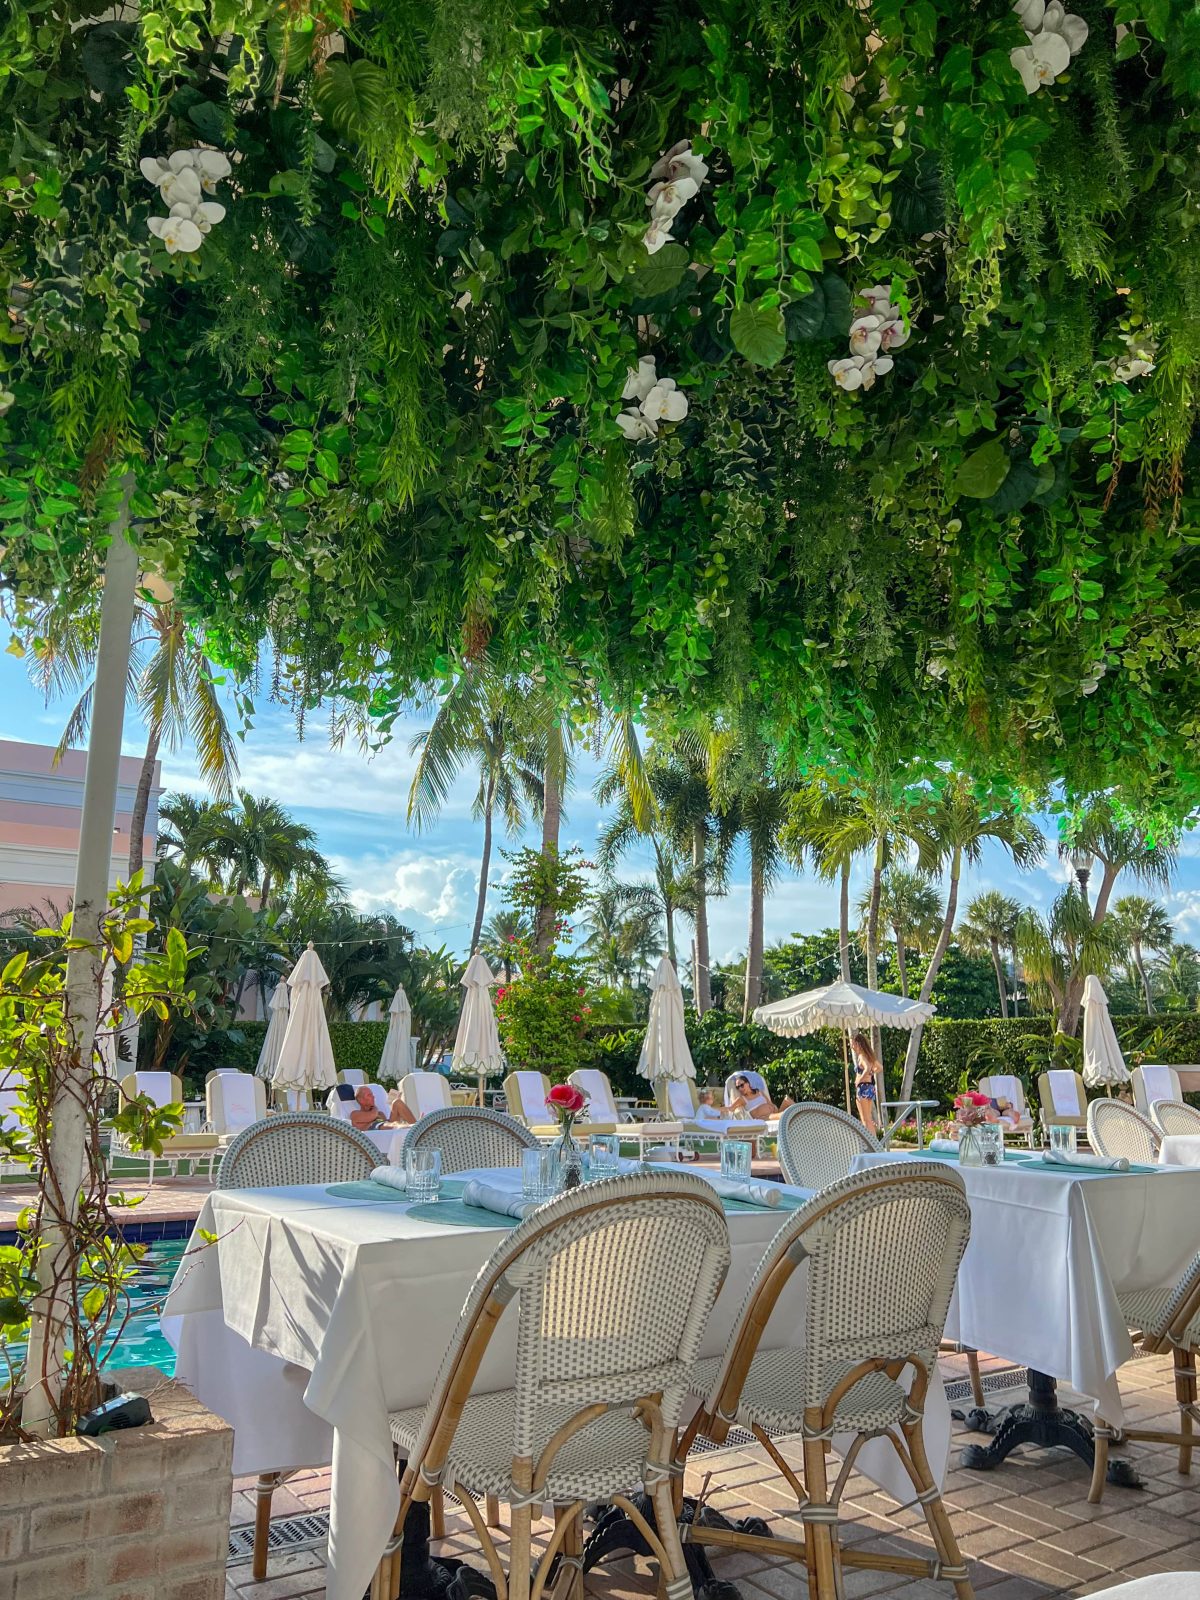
[1185, 1393]
[1101, 1433]
[824, 1581]
[267, 1483]
[930, 1496]
[492, 1510]
[520, 1553]
[437, 1514]
[673, 1572]
[976, 1380]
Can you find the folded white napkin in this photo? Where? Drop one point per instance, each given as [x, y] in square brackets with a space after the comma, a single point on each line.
[1063, 1158]
[505, 1202]
[946, 1146]
[757, 1194]
[393, 1177]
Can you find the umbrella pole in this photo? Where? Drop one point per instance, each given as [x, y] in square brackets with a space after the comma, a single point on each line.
[846, 1071]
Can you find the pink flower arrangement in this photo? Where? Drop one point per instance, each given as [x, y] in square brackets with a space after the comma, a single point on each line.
[970, 1109]
[565, 1100]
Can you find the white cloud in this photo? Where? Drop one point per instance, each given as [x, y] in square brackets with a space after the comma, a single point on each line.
[1184, 908]
[434, 894]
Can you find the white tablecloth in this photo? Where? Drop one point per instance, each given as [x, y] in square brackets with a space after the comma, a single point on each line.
[1180, 1150]
[313, 1316]
[1050, 1250]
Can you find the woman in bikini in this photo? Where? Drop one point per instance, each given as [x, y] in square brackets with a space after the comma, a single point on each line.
[867, 1068]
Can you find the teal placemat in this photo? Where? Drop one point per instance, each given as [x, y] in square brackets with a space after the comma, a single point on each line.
[452, 1213]
[1031, 1162]
[380, 1193]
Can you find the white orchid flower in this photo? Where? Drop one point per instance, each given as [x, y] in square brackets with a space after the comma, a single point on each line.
[212, 167]
[181, 187]
[680, 161]
[875, 367]
[668, 199]
[204, 215]
[1030, 14]
[866, 335]
[1056, 19]
[641, 380]
[893, 334]
[665, 403]
[636, 427]
[180, 235]
[662, 167]
[154, 170]
[937, 666]
[879, 299]
[1041, 60]
[657, 235]
[847, 373]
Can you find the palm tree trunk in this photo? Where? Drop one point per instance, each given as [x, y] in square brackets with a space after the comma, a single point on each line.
[844, 923]
[873, 935]
[1001, 986]
[1144, 976]
[141, 803]
[265, 893]
[1016, 966]
[551, 828]
[1068, 1015]
[752, 993]
[931, 971]
[701, 985]
[485, 864]
[901, 962]
[669, 917]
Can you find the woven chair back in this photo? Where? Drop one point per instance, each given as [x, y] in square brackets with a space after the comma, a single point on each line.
[817, 1144]
[1115, 1129]
[297, 1147]
[1175, 1116]
[470, 1138]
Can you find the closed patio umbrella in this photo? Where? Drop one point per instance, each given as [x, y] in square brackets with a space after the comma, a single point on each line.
[1103, 1063]
[396, 1061]
[268, 1056]
[306, 1057]
[847, 1006]
[665, 1050]
[477, 1043]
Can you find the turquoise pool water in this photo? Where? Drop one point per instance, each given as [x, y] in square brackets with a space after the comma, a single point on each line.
[141, 1343]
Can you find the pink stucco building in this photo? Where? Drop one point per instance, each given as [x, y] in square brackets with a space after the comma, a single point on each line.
[39, 823]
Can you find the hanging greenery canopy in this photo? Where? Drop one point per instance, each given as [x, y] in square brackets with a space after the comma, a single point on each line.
[831, 364]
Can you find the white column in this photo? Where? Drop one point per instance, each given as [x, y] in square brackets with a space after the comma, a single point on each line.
[68, 1137]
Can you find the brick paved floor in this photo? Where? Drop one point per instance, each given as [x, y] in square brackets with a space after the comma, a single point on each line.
[1026, 1529]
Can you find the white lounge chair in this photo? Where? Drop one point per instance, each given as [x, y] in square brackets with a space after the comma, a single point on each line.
[1154, 1083]
[233, 1100]
[526, 1094]
[423, 1092]
[602, 1106]
[386, 1140]
[1007, 1086]
[164, 1089]
[10, 1088]
[677, 1098]
[1063, 1099]
[354, 1076]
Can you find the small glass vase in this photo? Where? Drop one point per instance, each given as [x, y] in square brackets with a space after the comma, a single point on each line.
[570, 1159]
[970, 1147]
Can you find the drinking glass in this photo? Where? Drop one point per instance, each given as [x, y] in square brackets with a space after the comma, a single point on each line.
[991, 1143]
[1064, 1138]
[735, 1159]
[423, 1175]
[605, 1151]
[539, 1174]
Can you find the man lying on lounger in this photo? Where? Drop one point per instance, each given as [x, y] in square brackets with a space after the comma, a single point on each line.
[366, 1116]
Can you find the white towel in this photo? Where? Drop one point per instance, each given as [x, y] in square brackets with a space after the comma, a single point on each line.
[1064, 1158]
[505, 1202]
[393, 1177]
[946, 1146]
[157, 1085]
[755, 1194]
[1064, 1092]
[238, 1099]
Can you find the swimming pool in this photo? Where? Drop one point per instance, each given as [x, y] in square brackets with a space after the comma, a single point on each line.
[141, 1343]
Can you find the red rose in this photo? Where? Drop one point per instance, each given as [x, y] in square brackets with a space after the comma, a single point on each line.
[565, 1097]
[971, 1098]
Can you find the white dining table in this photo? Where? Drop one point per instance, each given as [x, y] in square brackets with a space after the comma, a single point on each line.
[313, 1314]
[1050, 1250]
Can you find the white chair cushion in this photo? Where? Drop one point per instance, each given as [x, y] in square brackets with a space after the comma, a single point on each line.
[1160, 1083]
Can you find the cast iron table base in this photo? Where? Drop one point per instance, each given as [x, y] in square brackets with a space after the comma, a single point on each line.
[1041, 1421]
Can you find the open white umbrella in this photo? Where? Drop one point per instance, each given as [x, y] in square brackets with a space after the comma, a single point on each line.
[268, 1056]
[665, 1050]
[477, 1043]
[306, 1056]
[843, 1005]
[1103, 1063]
[396, 1061]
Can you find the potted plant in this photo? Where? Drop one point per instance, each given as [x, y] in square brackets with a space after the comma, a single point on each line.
[156, 1498]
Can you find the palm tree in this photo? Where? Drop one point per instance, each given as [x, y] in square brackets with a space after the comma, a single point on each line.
[624, 934]
[1178, 975]
[1053, 949]
[912, 908]
[670, 890]
[1102, 832]
[815, 817]
[991, 925]
[186, 832]
[481, 722]
[501, 934]
[263, 848]
[1142, 924]
[759, 810]
[955, 826]
[170, 682]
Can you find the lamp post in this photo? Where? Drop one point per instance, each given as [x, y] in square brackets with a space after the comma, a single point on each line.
[1081, 863]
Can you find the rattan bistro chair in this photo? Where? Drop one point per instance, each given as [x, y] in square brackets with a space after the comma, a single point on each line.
[1161, 1320]
[612, 1285]
[471, 1137]
[883, 1249]
[1115, 1129]
[291, 1147]
[1175, 1116]
[817, 1144]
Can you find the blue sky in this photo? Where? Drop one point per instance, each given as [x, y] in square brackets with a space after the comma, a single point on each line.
[357, 806]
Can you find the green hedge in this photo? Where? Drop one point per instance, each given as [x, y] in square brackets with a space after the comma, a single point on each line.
[355, 1045]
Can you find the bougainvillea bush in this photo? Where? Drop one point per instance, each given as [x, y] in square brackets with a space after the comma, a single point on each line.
[830, 364]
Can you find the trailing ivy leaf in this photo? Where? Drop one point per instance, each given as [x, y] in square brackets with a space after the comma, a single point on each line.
[758, 334]
[661, 273]
[983, 471]
[350, 95]
[107, 57]
[823, 314]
